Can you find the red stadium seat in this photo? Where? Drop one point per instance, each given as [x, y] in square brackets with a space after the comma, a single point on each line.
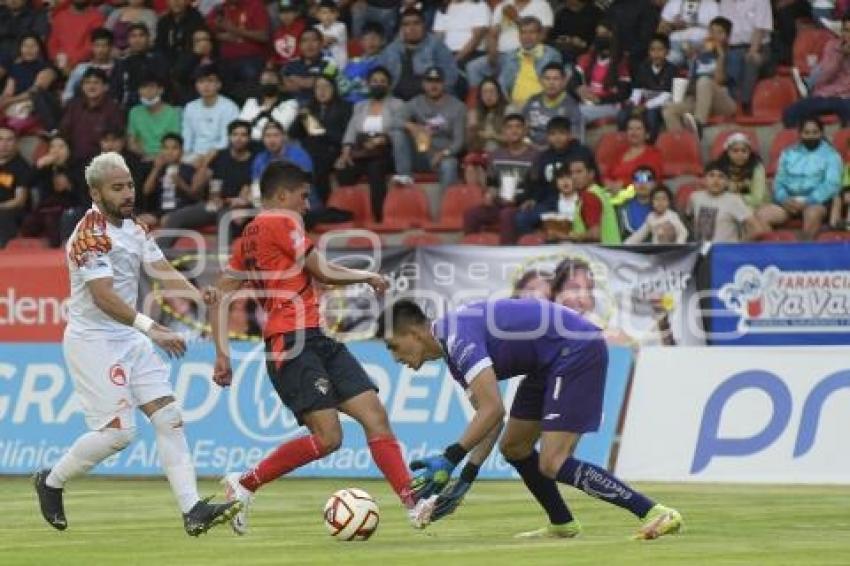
[717, 144]
[683, 195]
[360, 242]
[782, 140]
[481, 239]
[681, 153]
[809, 41]
[609, 149]
[841, 141]
[406, 206]
[770, 99]
[354, 199]
[833, 236]
[26, 244]
[778, 236]
[422, 239]
[533, 239]
[456, 201]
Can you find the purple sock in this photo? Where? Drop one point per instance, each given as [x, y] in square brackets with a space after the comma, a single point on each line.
[544, 490]
[597, 482]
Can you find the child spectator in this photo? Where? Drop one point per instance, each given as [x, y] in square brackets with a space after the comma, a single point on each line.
[634, 202]
[288, 33]
[747, 176]
[334, 35]
[710, 84]
[168, 186]
[653, 83]
[721, 216]
[660, 221]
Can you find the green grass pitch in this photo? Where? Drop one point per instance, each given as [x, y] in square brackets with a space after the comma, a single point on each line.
[124, 522]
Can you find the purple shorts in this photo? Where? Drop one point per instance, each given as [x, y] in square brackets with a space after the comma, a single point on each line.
[568, 395]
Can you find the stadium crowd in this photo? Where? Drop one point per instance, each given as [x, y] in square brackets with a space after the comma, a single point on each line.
[568, 120]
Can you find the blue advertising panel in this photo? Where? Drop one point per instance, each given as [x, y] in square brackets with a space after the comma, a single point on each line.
[780, 294]
[232, 429]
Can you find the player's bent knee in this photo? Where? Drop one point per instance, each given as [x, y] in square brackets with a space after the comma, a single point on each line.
[167, 418]
[119, 438]
[329, 441]
[515, 450]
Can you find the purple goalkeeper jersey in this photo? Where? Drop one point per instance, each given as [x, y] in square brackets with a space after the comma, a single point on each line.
[513, 336]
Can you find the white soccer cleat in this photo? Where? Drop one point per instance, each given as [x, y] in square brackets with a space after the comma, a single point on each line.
[233, 491]
[420, 514]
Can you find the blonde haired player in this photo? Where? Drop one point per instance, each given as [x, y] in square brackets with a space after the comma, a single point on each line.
[108, 348]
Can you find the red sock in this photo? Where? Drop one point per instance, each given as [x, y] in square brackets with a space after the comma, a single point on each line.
[387, 455]
[283, 460]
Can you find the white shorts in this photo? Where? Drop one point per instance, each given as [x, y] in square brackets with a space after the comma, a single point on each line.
[113, 377]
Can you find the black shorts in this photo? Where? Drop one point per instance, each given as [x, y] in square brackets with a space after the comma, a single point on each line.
[323, 375]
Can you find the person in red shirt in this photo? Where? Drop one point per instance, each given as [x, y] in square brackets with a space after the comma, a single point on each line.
[242, 30]
[639, 153]
[70, 38]
[288, 33]
[314, 375]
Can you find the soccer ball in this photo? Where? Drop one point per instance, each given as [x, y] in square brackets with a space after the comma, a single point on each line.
[351, 514]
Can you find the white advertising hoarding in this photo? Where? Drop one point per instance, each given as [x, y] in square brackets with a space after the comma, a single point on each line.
[739, 414]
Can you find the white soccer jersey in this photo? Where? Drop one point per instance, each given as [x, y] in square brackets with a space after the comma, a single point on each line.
[99, 249]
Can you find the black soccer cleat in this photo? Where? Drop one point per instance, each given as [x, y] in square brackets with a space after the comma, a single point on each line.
[205, 515]
[50, 501]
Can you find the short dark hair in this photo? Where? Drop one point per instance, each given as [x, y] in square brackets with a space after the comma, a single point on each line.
[238, 124]
[282, 175]
[553, 67]
[588, 162]
[412, 12]
[112, 132]
[666, 191]
[715, 165]
[95, 73]
[530, 21]
[138, 26]
[372, 27]
[173, 136]
[530, 276]
[382, 70]
[314, 31]
[206, 71]
[722, 22]
[399, 316]
[562, 172]
[514, 117]
[662, 39]
[98, 34]
[329, 4]
[559, 123]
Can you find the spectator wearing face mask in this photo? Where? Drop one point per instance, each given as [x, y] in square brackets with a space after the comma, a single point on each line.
[808, 177]
[151, 119]
[272, 104]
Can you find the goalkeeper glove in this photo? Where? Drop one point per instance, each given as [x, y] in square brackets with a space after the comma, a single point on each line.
[435, 471]
[452, 496]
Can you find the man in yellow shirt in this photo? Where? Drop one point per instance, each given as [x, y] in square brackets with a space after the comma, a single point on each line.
[522, 68]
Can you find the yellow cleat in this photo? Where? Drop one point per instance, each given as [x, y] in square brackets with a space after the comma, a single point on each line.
[660, 521]
[568, 530]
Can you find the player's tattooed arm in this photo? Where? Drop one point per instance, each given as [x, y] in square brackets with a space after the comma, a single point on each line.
[482, 450]
[490, 411]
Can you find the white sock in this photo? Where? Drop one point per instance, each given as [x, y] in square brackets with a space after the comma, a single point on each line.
[87, 451]
[175, 457]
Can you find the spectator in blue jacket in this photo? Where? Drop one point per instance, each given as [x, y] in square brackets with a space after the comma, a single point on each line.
[414, 52]
[522, 68]
[353, 81]
[809, 176]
